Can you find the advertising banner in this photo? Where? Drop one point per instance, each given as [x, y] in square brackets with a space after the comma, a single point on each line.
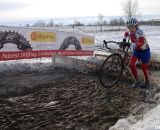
[25, 43]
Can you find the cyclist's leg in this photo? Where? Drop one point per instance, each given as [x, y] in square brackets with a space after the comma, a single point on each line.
[146, 75]
[145, 71]
[133, 66]
[134, 71]
[145, 57]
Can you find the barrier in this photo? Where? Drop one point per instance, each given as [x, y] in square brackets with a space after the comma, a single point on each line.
[81, 65]
[26, 43]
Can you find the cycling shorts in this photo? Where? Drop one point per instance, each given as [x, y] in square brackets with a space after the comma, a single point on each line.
[143, 55]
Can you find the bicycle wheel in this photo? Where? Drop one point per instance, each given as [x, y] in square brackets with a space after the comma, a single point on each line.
[111, 70]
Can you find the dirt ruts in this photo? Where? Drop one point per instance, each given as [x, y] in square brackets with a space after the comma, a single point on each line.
[58, 98]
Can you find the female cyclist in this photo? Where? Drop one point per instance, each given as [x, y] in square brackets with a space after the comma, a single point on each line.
[141, 51]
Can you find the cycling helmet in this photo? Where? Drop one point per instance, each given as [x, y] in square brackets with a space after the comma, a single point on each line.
[132, 22]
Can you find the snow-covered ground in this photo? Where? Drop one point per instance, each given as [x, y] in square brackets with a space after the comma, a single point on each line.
[149, 121]
[152, 35]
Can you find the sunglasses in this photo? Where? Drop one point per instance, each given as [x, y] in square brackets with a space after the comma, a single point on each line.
[130, 27]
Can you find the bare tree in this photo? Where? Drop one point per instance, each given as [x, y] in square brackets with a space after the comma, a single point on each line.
[117, 21]
[77, 23]
[39, 23]
[27, 25]
[50, 23]
[100, 17]
[130, 8]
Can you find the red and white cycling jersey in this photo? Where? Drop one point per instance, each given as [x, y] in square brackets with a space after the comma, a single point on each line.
[138, 39]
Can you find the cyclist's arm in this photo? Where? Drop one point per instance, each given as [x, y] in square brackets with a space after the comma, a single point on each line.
[140, 42]
[126, 35]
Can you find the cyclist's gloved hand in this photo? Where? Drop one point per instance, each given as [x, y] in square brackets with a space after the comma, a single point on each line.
[104, 41]
[126, 43]
[124, 40]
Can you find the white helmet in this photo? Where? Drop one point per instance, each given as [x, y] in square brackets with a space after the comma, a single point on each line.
[132, 22]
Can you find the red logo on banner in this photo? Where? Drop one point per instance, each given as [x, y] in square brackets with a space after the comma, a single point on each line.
[34, 36]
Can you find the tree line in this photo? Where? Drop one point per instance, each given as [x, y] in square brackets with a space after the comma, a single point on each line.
[113, 22]
[129, 7]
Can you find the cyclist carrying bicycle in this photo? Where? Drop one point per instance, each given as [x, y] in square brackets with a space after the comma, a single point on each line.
[141, 51]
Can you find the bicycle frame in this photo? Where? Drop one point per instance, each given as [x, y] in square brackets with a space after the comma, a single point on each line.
[113, 66]
[123, 50]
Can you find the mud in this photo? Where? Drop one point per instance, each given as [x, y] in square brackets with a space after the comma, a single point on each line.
[58, 98]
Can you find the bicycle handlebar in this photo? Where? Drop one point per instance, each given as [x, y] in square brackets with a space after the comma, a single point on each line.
[122, 44]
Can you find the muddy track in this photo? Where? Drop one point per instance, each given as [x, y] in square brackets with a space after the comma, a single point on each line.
[62, 99]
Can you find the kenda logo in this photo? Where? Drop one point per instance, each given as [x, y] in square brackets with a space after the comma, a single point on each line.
[87, 40]
[43, 36]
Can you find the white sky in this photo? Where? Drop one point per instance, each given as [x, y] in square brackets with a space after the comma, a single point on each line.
[42, 9]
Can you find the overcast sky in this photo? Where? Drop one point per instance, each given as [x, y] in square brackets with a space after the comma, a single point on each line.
[44, 9]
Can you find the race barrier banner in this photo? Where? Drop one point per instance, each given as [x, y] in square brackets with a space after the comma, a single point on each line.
[15, 55]
[25, 43]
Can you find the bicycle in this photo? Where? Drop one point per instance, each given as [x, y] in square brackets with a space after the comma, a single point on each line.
[113, 66]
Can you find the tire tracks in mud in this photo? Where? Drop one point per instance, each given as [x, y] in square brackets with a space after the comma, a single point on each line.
[65, 99]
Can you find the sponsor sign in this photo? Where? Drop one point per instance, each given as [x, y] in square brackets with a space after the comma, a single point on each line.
[25, 43]
[87, 40]
[43, 37]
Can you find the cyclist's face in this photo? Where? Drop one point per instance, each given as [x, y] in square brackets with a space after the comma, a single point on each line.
[132, 28]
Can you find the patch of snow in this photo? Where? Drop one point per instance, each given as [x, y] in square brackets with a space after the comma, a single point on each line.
[150, 121]
[26, 64]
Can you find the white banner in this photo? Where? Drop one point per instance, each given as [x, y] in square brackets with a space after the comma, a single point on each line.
[16, 42]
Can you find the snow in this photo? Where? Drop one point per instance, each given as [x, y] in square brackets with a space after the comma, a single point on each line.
[25, 64]
[152, 35]
[150, 121]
